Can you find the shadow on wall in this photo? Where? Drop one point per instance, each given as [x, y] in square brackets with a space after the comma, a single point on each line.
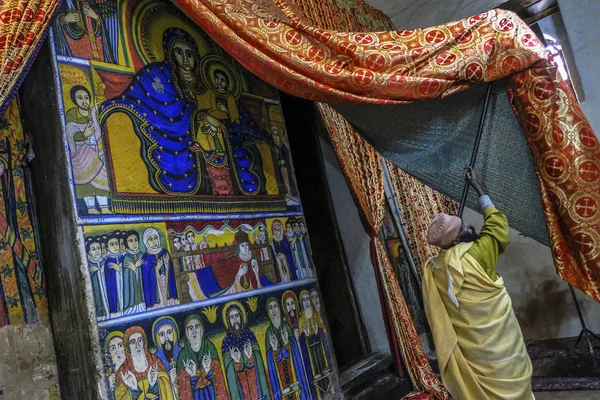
[546, 307]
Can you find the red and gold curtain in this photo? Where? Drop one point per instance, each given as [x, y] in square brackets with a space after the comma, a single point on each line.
[274, 40]
[22, 26]
[362, 168]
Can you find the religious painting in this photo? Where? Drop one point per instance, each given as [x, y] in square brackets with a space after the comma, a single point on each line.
[178, 127]
[88, 30]
[136, 268]
[271, 346]
[23, 297]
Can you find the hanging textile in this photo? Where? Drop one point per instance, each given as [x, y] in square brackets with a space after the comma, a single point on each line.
[362, 168]
[433, 141]
[22, 283]
[418, 204]
[22, 28]
[273, 40]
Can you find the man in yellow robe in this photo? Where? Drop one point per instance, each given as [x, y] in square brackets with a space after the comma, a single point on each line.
[479, 345]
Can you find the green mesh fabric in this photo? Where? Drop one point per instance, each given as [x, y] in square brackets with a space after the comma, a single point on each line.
[433, 140]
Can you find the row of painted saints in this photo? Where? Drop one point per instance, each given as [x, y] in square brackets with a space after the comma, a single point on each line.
[128, 278]
[196, 137]
[189, 366]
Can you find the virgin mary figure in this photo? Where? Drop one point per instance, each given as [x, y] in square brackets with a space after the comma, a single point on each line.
[161, 102]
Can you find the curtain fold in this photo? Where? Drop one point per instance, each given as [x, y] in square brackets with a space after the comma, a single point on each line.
[22, 27]
[274, 40]
[362, 168]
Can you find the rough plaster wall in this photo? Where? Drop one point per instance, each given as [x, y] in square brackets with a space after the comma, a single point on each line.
[356, 245]
[410, 14]
[27, 363]
[541, 299]
[581, 20]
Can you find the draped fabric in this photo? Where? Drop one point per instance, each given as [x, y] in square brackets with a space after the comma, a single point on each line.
[362, 168]
[272, 39]
[22, 26]
[361, 165]
[418, 204]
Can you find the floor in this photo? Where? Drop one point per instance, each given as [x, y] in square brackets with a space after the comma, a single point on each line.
[575, 395]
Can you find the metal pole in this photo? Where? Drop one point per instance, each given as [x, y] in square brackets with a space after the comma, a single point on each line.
[463, 199]
[395, 208]
[585, 331]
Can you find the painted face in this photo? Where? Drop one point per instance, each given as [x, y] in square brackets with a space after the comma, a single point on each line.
[121, 245]
[244, 248]
[274, 311]
[177, 243]
[221, 82]
[95, 251]
[289, 227]
[136, 343]
[306, 304]
[83, 99]
[191, 237]
[277, 230]
[116, 351]
[166, 336]
[275, 134]
[296, 227]
[235, 320]
[184, 56]
[290, 306]
[113, 246]
[193, 332]
[302, 227]
[316, 301]
[132, 243]
[154, 241]
[262, 232]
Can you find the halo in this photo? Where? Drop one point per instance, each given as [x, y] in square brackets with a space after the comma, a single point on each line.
[301, 294]
[111, 336]
[287, 294]
[162, 319]
[210, 63]
[224, 312]
[149, 22]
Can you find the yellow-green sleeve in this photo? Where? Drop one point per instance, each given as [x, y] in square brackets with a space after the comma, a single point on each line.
[493, 239]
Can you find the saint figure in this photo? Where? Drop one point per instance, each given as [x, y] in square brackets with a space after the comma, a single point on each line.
[284, 361]
[199, 370]
[116, 356]
[283, 253]
[87, 157]
[162, 104]
[96, 266]
[133, 287]
[142, 376]
[243, 360]
[114, 274]
[158, 273]
[166, 339]
[313, 342]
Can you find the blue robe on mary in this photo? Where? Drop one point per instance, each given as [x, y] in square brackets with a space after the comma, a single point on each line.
[150, 279]
[283, 246]
[114, 274]
[153, 98]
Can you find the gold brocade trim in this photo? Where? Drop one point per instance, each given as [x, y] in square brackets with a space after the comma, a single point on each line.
[421, 375]
[175, 206]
